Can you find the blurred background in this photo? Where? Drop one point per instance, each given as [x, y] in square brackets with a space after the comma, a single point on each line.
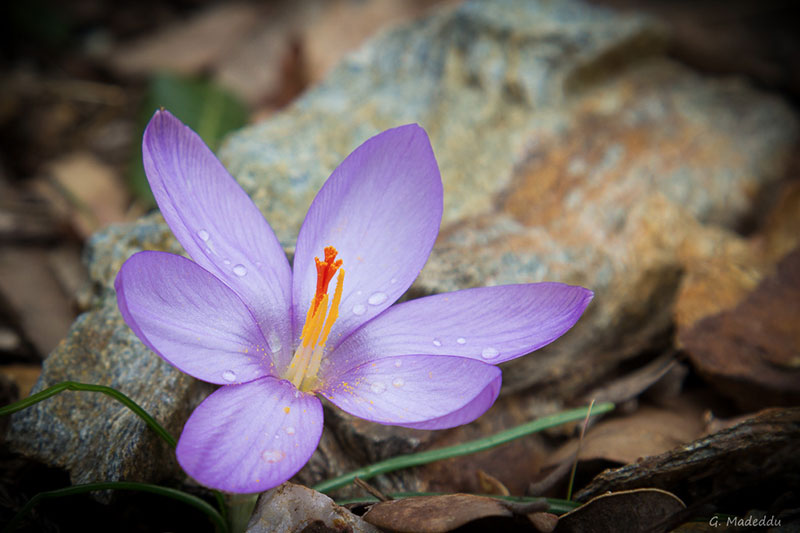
[80, 79]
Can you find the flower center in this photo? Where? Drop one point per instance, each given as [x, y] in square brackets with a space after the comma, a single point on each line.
[303, 368]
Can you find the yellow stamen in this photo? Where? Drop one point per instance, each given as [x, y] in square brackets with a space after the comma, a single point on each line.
[333, 313]
[305, 364]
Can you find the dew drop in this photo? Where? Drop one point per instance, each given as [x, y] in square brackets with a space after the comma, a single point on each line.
[377, 388]
[229, 376]
[272, 456]
[437, 342]
[274, 342]
[289, 430]
[227, 261]
[240, 270]
[359, 309]
[377, 298]
[489, 353]
[203, 234]
[398, 382]
[461, 340]
[398, 363]
[393, 280]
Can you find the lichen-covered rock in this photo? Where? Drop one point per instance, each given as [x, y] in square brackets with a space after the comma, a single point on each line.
[570, 149]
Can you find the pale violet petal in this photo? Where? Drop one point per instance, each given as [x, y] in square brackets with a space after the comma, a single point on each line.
[191, 319]
[489, 324]
[251, 437]
[381, 209]
[431, 392]
[218, 225]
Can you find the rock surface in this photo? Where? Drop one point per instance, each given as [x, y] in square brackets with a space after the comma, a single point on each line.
[571, 150]
[293, 508]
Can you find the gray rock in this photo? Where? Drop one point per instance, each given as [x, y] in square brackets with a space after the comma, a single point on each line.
[292, 508]
[571, 150]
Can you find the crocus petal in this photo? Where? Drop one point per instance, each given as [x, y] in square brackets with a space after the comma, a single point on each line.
[250, 437]
[466, 414]
[491, 324]
[218, 224]
[381, 209]
[191, 319]
[423, 391]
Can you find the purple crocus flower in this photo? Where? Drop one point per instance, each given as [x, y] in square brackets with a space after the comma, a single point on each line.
[275, 337]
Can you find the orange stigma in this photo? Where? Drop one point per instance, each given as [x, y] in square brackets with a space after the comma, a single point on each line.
[305, 364]
[325, 271]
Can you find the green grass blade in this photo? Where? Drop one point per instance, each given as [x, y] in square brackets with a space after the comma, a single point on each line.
[175, 494]
[421, 458]
[75, 386]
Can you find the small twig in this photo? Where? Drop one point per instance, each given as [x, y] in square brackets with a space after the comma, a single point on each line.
[578, 451]
[372, 490]
[525, 508]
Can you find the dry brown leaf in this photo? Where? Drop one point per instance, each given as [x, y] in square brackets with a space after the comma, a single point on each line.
[631, 511]
[761, 448]
[24, 376]
[751, 352]
[434, 514]
[35, 297]
[634, 383]
[491, 485]
[189, 46]
[86, 191]
[648, 431]
[543, 522]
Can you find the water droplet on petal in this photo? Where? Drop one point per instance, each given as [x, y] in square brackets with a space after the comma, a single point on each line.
[240, 270]
[437, 342]
[203, 234]
[229, 376]
[289, 430]
[393, 280]
[377, 388]
[274, 342]
[273, 456]
[377, 298]
[489, 353]
[359, 309]
[398, 363]
[398, 382]
[461, 340]
[227, 261]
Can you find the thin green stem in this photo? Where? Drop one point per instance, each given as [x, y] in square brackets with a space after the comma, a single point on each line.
[421, 458]
[556, 506]
[188, 499]
[75, 386]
